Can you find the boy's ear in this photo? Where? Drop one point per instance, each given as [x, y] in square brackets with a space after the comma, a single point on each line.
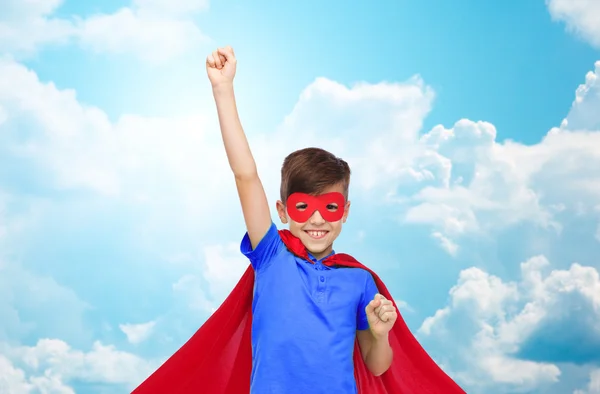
[346, 212]
[281, 212]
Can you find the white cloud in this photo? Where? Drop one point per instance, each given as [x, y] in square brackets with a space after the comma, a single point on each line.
[154, 163]
[51, 365]
[224, 266]
[153, 36]
[584, 114]
[593, 386]
[374, 127]
[446, 243]
[581, 17]
[458, 180]
[137, 333]
[432, 321]
[12, 380]
[154, 30]
[27, 25]
[191, 291]
[489, 323]
[211, 276]
[51, 308]
[403, 306]
[173, 7]
[72, 141]
[492, 185]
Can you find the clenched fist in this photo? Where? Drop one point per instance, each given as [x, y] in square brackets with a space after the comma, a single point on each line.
[381, 314]
[220, 66]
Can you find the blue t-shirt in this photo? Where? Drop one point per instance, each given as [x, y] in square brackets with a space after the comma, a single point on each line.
[305, 318]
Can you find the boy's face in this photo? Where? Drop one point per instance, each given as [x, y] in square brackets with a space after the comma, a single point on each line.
[316, 233]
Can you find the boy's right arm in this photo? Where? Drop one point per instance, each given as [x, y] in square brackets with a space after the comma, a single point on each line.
[220, 66]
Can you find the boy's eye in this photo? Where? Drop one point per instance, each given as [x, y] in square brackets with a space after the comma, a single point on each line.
[332, 207]
[301, 206]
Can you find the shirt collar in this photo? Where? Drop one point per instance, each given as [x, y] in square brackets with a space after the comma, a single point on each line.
[319, 260]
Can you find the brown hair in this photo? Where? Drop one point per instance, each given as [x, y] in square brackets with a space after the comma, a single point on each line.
[312, 170]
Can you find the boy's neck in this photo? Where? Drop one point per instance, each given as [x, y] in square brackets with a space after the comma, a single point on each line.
[320, 256]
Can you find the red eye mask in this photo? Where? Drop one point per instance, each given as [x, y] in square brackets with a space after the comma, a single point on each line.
[301, 206]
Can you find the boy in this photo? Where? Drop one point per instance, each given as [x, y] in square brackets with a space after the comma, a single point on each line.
[306, 346]
[300, 320]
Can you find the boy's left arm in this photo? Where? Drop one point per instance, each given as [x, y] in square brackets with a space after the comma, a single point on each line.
[373, 342]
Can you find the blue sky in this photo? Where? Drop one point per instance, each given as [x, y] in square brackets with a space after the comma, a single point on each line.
[472, 129]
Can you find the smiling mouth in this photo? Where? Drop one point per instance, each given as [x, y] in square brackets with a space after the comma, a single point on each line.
[316, 234]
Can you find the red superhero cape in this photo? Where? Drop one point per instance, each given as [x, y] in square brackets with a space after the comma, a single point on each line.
[217, 358]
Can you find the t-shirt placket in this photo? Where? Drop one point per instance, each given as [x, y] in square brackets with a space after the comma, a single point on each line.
[321, 282]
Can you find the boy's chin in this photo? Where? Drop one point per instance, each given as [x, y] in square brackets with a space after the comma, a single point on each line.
[317, 247]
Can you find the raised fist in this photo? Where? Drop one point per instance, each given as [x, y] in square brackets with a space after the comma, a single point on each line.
[220, 66]
[381, 314]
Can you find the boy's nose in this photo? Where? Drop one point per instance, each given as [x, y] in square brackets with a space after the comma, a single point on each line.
[316, 218]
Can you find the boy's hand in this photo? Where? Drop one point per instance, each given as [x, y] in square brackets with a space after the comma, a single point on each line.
[381, 314]
[220, 66]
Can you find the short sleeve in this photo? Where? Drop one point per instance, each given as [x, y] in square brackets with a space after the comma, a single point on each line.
[266, 249]
[369, 293]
